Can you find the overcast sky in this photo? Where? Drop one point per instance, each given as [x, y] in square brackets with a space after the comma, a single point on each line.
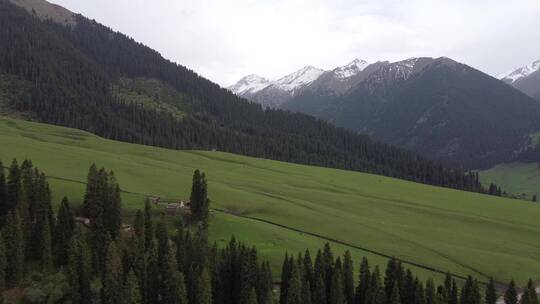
[224, 40]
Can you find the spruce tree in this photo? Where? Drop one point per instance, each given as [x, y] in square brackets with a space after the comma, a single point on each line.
[112, 276]
[294, 290]
[409, 288]
[491, 292]
[3, 200]
[363, 282]
[131, 293]
[148, 225]
[63, 232]
[394, 296]
[13, 187]
[162, 236]
[203, 288]
[419, 294]
[13, 235]
[318, 295]
[46, 257]
[252, 298]
[348, 280]
[534, 198]
[533, 297]
[308, 268]
[113, 207]
[3, 265]
[200, 203]
[79, 270]
[336, 295]
[91, 195]
[454, 294]
[264, 284]
[151, 291]
[286, 273]
[430, 292]
[306, 293]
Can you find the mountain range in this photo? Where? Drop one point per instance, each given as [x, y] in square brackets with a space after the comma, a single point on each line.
[65, 69]
[525, 79]
[441, 108]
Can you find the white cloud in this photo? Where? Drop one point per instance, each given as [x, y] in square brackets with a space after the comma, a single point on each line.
[224, 40]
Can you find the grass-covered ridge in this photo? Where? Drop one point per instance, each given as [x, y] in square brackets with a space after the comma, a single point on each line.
[518, 179]
[463, 232]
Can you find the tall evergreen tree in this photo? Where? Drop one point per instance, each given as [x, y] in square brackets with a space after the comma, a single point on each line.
[529, 295]
[152, 288]
[91, 204]
[46, 256]
[148, 225]
[511, 295]
[252, 298]
[454, 294]
[363, 282]
[13, 235]
[348, 280]
[419, 294]
[63, 232]
[264, 285]
[204, 288]
[3, 200]
[336, 295]
[491, 292]
[534, 199]
[431, 296]
[13, 187]
[131, 293]
[286, 274]
[173, 289]
[294, 290]
[409, 288]
[113, 207]
[394, 295]
[112, 276]
[200, 203]
[3, 265]
[79, 270]
[162, 236]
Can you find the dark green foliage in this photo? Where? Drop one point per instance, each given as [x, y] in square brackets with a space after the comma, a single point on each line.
[336, 294]
[65, 225]
[72, 71]
[470, 293]
[431, 297]
[529, 294]
[393, 276]
[491, 292]
[131, 293]
[3, 199]
[152, 287]
[79, 270]
[112, 278]
[454, 294]
[13, 235]
[419, 294]
[252, 298]
[409, 289]
[13, 187]
[318, 295]
[394, 295]
[173, 289]
[348, 280]
[534, 198]
[46, 256]
[112, 207]
[294, 287]
[363, 283]
[204, 288]
[148, 225]
[264, 284]
[162, 237]
[511, 295]
[200, 204]
[286, 274]
[3, 265]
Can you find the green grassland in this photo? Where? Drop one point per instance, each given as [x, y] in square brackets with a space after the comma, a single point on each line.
[519, 179]
[462, 232]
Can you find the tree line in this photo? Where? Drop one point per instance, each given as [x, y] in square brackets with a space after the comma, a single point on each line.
[153, 261]
[68, 74]
[330, 280]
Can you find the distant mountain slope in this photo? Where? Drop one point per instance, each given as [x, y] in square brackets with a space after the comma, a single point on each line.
[89, 77]
[443, 109]
[526, 79]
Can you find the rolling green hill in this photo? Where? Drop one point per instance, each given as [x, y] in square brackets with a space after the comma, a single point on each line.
[519, 179]
[463, 232]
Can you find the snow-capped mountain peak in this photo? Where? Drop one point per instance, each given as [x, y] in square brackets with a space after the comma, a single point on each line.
[250, 84]
[521, 72]
[353, 68]
[300, 78]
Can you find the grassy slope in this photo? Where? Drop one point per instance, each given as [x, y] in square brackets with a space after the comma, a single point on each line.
[521, 179]
[465, 233]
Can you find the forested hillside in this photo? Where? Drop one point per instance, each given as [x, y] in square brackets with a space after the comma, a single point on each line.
[69, 75]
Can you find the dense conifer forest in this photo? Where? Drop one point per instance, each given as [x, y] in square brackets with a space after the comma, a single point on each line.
[63, 257]
[66, 75]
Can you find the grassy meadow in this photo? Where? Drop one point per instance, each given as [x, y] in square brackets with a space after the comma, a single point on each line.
[462, 232]
[518, 179]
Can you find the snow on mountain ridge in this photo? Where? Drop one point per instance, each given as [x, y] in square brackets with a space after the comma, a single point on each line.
[351, 69]
[298, 79]
[521, 72]
[250, 84]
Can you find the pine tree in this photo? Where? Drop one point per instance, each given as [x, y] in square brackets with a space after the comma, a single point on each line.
[394, 296]
[252, 298]
[491, 292]
[318, 295]
[531, 291]
[3, 264]
[112, 276]
[348, 280]
[419, 294]
[13, 187]
[46, 257]
[91, 203]
[430, 292]
[79, 270]
[3, 200]
[470, 294]
[203, 288]
[151, 291]
[409, 288]
[294, 290]
[63, 232]
[162, 236]
[200, 203]
[264, 285]
[131, 293]
[363, 282]
[286, 273]
[148, 225]
[336, 295]
[113, 207]
[534, 198]
[454, 294]
[13, 235]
